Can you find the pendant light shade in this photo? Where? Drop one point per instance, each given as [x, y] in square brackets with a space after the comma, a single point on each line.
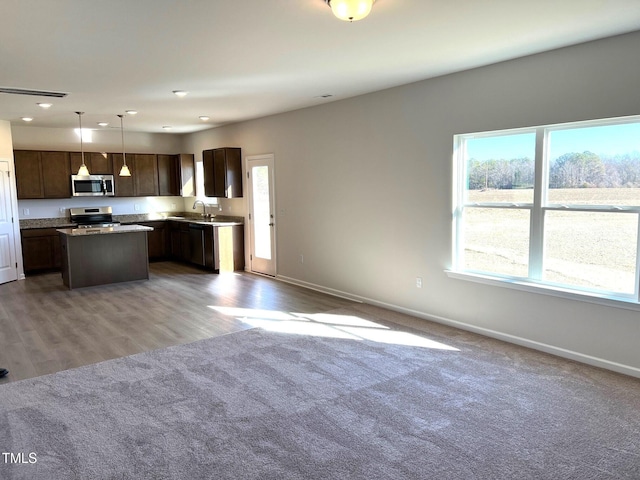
[350, 10]
[83, 170]
[124, 171]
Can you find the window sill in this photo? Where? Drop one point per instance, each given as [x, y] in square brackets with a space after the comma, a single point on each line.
[532, 287]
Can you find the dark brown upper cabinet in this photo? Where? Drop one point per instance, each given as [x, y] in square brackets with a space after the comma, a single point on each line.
[145, 174]
[125, 186]
[222, 172]
[168, 175]
[42, 174]
[175, 175]
[28, 174]
[45, 174]
[97, 163]
[143, 181]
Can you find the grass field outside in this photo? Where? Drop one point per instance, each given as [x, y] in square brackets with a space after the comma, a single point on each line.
[584, 249]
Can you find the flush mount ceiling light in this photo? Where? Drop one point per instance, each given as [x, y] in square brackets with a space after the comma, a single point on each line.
[44, 105]
[103, 124]
[167, 127]
[83, 170]
[180, 93]
[124, 171]
[130, 112]
[204, 118]
[27, 119]
[350, 10]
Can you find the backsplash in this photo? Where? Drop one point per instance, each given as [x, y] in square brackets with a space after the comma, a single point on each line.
[59, 208]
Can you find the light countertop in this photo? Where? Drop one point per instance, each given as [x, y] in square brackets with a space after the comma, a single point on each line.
[76, 232]
[65, 223]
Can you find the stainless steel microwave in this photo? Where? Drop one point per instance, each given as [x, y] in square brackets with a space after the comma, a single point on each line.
[92, 185]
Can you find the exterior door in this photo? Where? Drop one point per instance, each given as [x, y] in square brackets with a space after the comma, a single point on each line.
[8, 269]
[262, 214]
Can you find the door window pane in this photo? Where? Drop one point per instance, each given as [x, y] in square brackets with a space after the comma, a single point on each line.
[496, 240]
[261, 211]
[593, 250]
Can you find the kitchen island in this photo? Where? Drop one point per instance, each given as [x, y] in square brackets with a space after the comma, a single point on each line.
[103, 255]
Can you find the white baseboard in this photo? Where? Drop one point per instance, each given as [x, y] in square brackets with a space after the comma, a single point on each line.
[543, 347]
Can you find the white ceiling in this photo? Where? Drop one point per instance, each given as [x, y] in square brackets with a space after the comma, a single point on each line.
[243, 59]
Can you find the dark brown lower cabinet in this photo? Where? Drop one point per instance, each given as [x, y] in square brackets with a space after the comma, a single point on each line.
[215, 247]
[174, 241]
[179, 241]
[41, 250]
[89, 260]
[157, 240]
[221, 248]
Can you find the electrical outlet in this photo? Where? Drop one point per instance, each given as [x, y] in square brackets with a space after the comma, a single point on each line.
[25, 211]
[62, 210]
[419, 282]
[136, 207]
[173, 206]
[301, 258]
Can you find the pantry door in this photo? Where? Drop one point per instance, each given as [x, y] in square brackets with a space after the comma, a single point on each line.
[8, 268]
[262, 225]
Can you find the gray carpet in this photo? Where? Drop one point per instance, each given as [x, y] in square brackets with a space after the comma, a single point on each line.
[260, 404]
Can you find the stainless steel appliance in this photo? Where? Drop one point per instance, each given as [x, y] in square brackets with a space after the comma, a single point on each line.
[92, 217]
[92, 185]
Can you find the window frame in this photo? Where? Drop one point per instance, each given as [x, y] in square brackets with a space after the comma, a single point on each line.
[538, 208]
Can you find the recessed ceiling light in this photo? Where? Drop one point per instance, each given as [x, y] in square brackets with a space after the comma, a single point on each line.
[44, 105]
[180, 93]
[27, 119]
[103, 124]
[167, 127]
[131, 112]
[204, 118]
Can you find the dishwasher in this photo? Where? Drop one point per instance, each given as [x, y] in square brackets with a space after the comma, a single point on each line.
[196, 243]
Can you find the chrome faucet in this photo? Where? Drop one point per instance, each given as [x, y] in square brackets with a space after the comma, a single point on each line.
[204, 207]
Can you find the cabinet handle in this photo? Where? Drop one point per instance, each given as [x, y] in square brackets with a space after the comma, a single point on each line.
[271, 224]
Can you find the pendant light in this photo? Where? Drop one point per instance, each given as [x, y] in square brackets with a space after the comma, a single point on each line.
[83, 170]
[124, 171]
[350, 10]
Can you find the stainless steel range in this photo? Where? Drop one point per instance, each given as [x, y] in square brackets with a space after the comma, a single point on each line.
[93, 217]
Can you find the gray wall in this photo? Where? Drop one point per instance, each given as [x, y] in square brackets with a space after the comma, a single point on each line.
[364, 188]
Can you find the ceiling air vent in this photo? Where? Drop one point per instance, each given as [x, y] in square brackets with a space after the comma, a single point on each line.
[37, 93]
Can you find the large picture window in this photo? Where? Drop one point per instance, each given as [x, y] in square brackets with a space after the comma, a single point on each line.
[556, 206]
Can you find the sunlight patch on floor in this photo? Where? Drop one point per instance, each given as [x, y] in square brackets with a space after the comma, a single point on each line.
[398, 338]
[334, 319]
[299, 328]
[329, 325]
[254, 313]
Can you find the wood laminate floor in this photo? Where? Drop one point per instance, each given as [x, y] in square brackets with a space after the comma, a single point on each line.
[45, 328]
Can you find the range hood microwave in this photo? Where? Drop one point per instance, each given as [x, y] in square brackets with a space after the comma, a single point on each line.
[92, 185]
